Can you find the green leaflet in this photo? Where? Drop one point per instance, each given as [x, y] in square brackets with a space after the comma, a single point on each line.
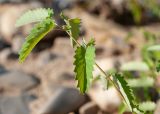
[75, 29]
[154, 48]
[141, 82]
[158, 66]
[122, 108]
[135, 66]
[104, 82]
[147, 106]
[150, 37]
[84, 61]
[126, 91]
[34, 16]
[135, 10]
[37, 33]
[72, 27]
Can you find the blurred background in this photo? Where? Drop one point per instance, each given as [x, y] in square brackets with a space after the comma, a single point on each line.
[44, 83]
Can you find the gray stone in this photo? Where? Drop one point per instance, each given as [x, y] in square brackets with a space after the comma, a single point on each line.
[59, 6]
[64, 100]
[2, 1]
[15, 104]
[13, 56]
[62, 46]
[66, 77]
[45, 57]
[63, 4]
[17, 80]
[2, 70]
[89, 108]
[4, 44]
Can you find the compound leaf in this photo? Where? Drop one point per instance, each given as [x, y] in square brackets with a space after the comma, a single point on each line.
[126, 91]
[84, 61]
[37, 33]
[34, 16]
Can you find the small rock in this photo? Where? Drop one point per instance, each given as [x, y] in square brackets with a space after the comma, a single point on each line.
[1, 1]
[62, 46]
[15, 104]
[65, 100]
[62, 4]
[2, 70]
[17, 80]
[107, 100]
[59, 6]
[13, 56]
[17, 43]
[45, 57]
[15, 1]
[120, 47]
[8, 54]
[89, 108]
[4, 44]
[66, 77]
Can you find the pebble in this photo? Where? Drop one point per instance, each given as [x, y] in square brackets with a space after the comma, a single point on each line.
[64, 100]
[17, 80]
[15, 104]
[89, 108]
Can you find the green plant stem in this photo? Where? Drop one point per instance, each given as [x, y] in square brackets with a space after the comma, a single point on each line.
[109, 78]
[106, 76]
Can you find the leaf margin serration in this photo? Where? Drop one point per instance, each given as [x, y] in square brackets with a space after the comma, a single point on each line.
[86, 55]
[126, 91]
[34, 15]
[34, 37]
